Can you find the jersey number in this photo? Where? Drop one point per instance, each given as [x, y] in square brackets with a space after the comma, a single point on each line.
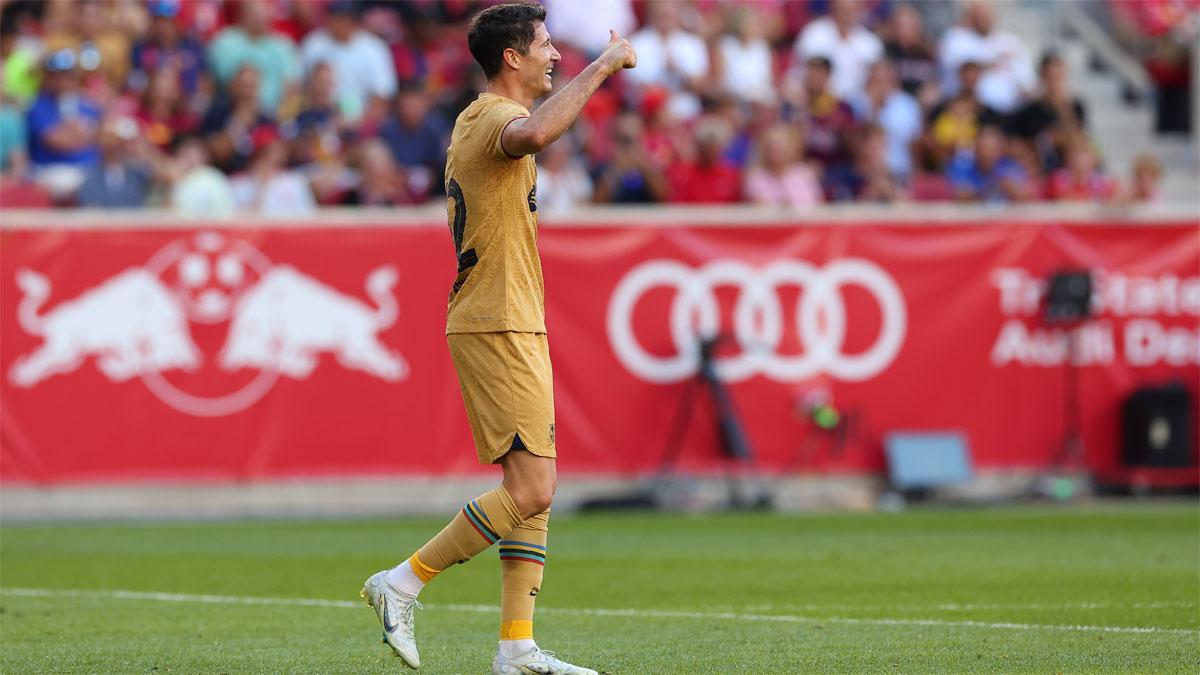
[466, 259]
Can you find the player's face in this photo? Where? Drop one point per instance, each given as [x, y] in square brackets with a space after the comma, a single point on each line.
[541, 60]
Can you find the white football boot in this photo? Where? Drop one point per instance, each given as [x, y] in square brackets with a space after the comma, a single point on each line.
[395, 612]
[537, 662]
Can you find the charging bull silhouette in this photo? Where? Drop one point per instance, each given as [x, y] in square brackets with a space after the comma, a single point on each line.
[131, 323]
[288, 318]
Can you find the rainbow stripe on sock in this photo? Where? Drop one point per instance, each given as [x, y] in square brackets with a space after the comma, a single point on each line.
[524, 551]
[479, 520]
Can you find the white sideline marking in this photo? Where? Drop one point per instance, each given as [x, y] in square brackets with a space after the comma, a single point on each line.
[646, 613]
[967, 607]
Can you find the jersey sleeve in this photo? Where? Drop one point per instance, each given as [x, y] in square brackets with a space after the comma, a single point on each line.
[493, 124]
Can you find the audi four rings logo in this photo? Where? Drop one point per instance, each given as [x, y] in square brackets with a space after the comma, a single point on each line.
[758, 319]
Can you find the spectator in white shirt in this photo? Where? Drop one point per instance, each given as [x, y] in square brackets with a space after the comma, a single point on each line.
[1009, 76]
[884, 103]
[562, 182]
[672, 57]
[745, 57]
[269, 188]
[841, 38]
[586, 24]
[362, 64]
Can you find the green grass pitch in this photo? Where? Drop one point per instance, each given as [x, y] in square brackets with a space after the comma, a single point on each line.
[1112, 588]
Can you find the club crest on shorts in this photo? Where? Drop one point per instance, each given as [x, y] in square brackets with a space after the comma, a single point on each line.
[551, 433]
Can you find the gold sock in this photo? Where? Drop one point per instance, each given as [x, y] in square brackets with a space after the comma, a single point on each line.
[481, 523]
[522, 559]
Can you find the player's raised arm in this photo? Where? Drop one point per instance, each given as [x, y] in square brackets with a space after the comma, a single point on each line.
[531, 134]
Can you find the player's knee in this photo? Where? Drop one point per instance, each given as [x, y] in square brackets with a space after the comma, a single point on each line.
[535, 498]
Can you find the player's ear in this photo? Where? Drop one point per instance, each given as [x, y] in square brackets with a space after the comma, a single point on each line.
[512, 58]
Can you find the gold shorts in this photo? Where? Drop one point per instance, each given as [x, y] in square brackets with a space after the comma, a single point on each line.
[508, 389]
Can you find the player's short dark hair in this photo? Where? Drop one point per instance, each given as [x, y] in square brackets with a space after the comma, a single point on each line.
[502, 27]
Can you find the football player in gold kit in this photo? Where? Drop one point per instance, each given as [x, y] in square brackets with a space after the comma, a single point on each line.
[496, 328]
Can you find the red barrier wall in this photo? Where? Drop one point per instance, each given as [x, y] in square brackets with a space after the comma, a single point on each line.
[241, 353]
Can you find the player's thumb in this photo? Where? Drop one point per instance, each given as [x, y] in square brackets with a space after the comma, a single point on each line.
[613, 36]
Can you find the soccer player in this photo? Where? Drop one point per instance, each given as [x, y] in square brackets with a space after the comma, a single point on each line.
[496, 329]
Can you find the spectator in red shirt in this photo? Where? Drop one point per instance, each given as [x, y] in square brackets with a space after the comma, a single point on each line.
[828, 121]
[1081, 179]
[711, 178]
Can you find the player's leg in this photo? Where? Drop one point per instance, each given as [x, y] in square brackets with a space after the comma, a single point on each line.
[481, 522]
[487, 365]
[523, 551]
[532, 480]
[522, 559]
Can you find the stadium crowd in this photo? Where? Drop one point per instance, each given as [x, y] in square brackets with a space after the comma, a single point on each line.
[281, 106]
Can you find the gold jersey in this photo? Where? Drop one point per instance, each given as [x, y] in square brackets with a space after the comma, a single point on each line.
[492, 213]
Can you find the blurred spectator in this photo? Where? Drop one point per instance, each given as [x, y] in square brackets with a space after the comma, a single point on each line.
[586, 24]
[632, 176]
[710, 178]
[741, 140]
[417, 135]
[14, 155]
[953, 124]
[1009, 75]
[1047, 121]
[197, 188]
[363, 72]
[781, 178]
[1081, 178]
[896, 112]
[164, 113]
[663, 135]
[1165, 33]
[268, 188]
[426, 55]
[562, 182]
[841, 38]
[232, 122]
[910, 51]
[166, 46]
[867, 178]
[987, 174]
[121, 179]
[253, 42]
[828, 121]
[1147, 172]
[63, 126]
[381, 182]
[20, 58]
[745, 60]
[100, 49]
[319, 129]
[674, 58]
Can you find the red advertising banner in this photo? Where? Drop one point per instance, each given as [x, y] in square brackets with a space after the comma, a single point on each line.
[244, 353]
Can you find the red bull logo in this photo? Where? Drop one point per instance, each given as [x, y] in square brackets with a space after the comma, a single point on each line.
[140, 323]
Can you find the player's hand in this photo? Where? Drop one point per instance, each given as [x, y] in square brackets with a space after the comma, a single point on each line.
[618, 53]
